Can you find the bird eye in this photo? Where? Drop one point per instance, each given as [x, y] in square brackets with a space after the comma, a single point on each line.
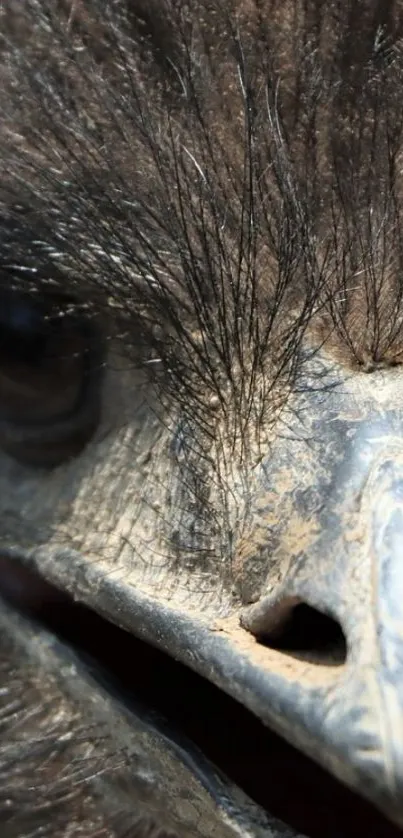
[50, 365]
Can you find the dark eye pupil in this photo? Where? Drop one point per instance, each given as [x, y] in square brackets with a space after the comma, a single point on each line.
[43, 355]
[51, 362]
[24, 332]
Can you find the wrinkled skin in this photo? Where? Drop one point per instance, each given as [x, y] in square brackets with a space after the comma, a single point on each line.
[208, 202]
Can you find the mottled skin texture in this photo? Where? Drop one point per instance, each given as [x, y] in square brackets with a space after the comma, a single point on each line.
[216, 187]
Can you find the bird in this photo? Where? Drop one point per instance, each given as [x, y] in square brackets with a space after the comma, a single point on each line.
[201, 344]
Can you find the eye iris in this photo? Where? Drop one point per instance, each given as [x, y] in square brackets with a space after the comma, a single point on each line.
[42, 360]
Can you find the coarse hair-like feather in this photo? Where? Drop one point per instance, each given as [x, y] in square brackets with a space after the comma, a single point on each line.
[61, 772]
[222, 179]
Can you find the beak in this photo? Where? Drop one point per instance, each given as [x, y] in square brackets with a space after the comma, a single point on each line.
[350, 717]
[338, 552]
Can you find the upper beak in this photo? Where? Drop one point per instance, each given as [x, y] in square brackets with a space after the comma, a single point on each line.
[349, 716]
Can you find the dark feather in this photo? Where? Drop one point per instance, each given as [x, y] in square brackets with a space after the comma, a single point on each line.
[229, 178]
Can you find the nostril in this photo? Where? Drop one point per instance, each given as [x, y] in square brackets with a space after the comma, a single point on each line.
[307, 634]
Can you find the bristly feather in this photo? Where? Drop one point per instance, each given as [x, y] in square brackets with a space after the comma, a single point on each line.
[50, 756]
[223, 179]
